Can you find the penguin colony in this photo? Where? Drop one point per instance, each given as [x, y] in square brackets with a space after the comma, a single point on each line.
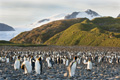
[31, 60]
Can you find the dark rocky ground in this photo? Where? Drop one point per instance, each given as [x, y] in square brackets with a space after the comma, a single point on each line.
[101, 71]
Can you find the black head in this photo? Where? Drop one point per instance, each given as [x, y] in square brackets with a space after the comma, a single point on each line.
[19, 57]
[22, 67]
[75, 58]
[39, 58]
[66, 57]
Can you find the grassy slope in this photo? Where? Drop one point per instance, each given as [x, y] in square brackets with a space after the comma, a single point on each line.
[97, 32]
[43, 33]
[86, 33]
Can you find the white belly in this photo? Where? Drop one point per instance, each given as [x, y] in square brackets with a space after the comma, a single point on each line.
[17, 64]
[37, 67]
[67, 63]
[73, 68]
[7, 60]
[89, 65]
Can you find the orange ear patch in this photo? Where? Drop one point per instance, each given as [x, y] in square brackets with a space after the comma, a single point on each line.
[22, 66]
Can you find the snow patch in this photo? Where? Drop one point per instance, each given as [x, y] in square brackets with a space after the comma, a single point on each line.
[85, 15]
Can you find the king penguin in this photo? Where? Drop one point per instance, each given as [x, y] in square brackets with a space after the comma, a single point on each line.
[26, 66]
[38, 66]
[89, 65]
[32, 62]
[72, 67]
[17, 63]
[49, 61]
[7, 60]
[110, 60]
[67, 61]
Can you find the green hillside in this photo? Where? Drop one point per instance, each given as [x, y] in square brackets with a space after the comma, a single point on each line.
[41, 34]
[88, 33]
[102, 31]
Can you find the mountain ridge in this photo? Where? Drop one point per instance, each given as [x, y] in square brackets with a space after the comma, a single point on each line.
[90, 14]
[87, 34]
[104, 31]
[41, 33]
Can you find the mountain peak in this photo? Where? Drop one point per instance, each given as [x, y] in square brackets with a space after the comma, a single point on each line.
[73, 15]
[91, 12]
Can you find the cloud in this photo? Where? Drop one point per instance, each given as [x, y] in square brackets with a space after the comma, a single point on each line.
[17, 12]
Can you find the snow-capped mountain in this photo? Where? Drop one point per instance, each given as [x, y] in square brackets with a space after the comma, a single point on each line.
[7, 35]
[86, 14]
[90, 14]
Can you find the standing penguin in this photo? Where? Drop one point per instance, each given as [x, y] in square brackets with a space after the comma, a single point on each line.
[67, 61]
[49, 61]
[96, 58]
[7, 60]
[71, 68]
[63, 60]
[3, 59]
[99, 59]
[89, 65]
[79, 60]
[84, 61]
[17, 63]
[110, 60]
[32, 62]
[26, 66]
[38, 66]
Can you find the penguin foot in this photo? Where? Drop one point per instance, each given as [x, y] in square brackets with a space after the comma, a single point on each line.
[49, 67]
[88, 69]
[24, 73]
[70, 77]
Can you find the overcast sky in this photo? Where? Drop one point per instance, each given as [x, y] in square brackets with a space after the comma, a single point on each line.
[23, 12]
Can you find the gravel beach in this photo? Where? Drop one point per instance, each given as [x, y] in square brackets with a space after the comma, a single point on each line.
[100, 71]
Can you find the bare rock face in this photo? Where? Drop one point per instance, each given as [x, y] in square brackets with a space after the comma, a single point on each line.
[43, 20]
[91, 12]
[118, 15]
[71, 16]
[88, 12]
[4, 27]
